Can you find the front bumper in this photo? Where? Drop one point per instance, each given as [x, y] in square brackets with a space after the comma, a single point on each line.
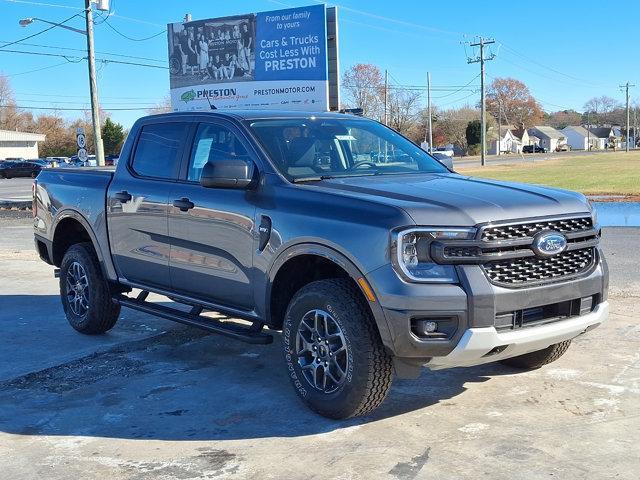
[477, 344]
[475, 304]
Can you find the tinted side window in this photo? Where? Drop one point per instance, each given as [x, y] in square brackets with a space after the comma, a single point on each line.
[213, 143]
[158, 150]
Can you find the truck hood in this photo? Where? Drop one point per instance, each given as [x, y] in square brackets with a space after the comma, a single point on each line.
[457, 200]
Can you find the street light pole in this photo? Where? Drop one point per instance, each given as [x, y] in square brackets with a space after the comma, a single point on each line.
[93, 87]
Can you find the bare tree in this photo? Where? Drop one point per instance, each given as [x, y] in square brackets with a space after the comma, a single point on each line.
[364, 87]
[403, 110]
[164, 106]
[601, 110]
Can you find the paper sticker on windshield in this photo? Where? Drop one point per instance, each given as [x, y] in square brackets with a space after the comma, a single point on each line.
[345, 137]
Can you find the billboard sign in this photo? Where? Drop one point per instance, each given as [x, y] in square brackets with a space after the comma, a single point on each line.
[267, 60]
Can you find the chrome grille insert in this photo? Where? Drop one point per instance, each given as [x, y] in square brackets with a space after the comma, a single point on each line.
[532, 270]
[530, 229]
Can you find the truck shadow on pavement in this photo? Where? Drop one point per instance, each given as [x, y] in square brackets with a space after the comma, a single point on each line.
[171, 382]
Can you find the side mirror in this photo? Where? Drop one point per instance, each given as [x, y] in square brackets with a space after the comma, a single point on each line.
[229, 173]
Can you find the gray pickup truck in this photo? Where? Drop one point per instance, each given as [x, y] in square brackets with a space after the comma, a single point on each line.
[370, 256]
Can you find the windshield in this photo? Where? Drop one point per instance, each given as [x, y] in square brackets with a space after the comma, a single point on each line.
[304, 148]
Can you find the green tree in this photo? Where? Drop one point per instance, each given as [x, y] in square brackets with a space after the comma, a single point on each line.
[473, 132]
[113, 135]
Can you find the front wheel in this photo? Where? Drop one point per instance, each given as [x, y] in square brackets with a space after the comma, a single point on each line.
[533, 360]
[334, 355]
[85, 294]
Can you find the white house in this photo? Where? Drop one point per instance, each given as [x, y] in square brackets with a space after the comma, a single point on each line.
[19, 144]
[605, 136]
[550, 138]
[508, 143]
[522, 136]
[579, 138]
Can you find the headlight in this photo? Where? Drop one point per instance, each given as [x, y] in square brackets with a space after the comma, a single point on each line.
[413, 258]
[594, 214]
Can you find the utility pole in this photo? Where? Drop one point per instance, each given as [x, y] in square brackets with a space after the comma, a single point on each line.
[429, 111]
[499, 144]
[386, 87]
[482, 42]
[93, 87]
[626, 87]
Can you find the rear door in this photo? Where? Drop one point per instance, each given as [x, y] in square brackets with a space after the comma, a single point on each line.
[137, 203]
[212, 229]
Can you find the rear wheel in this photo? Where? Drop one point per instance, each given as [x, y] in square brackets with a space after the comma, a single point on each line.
[334, 355]
[85, 294]
[533, 360]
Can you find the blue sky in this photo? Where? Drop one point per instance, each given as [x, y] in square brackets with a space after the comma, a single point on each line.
[566, 52]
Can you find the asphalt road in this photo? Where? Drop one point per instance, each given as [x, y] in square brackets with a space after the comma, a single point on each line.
[15, 188]
[156, 400]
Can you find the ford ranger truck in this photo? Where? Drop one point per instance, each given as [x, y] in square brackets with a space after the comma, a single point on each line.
[370, 256]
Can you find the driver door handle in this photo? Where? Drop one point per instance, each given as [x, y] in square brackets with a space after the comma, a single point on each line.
[184, 204]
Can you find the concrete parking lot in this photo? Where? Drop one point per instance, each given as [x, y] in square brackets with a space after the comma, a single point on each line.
[153, 399]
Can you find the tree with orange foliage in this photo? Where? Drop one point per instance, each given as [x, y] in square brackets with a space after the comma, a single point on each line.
[510, 102]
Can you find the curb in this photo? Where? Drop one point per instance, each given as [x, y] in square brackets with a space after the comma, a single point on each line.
[15, 204]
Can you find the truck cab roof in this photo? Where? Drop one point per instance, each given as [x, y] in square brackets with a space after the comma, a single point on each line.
[255, 114]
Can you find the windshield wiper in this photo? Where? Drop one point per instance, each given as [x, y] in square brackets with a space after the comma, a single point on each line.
[312, 179]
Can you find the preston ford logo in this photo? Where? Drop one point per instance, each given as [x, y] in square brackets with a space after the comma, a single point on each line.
[549, 243]
[188, 96]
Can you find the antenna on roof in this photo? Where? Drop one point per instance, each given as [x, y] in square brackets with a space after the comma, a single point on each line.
[211, 105]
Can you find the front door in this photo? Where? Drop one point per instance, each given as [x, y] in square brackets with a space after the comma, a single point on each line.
[137, 203]
[212, 229]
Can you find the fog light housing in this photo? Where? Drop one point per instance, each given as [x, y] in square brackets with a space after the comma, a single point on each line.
[430, 328]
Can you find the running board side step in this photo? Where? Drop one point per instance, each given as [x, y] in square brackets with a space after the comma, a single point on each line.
[252, 334]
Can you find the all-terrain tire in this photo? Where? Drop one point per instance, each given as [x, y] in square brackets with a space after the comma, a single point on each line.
[537, 359]
[101, 313]
[369, 371]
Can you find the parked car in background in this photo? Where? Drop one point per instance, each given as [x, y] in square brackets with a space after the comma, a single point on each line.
[11, 169]
[448, 151]
[563, 148]
[43, 162]
[57, 161]
[111, 159]
[529, 149]
[444, 159]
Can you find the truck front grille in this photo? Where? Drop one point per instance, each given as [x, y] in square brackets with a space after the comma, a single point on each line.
[530, 229]
[532, 270]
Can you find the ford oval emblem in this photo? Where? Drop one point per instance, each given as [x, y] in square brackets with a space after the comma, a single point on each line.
[549, 243]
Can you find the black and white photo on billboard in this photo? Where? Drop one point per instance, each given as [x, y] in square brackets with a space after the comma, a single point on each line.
[210, 51]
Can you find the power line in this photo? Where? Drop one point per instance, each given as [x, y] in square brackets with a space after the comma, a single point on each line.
[84, 103]
[42, 4]
[57, 47]
[81, 96]
[460, 89]
[37, 69]
[525, 57]
[106, 22]
[458, 100]
[38, 33]
[67, 57]
[31, 107]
